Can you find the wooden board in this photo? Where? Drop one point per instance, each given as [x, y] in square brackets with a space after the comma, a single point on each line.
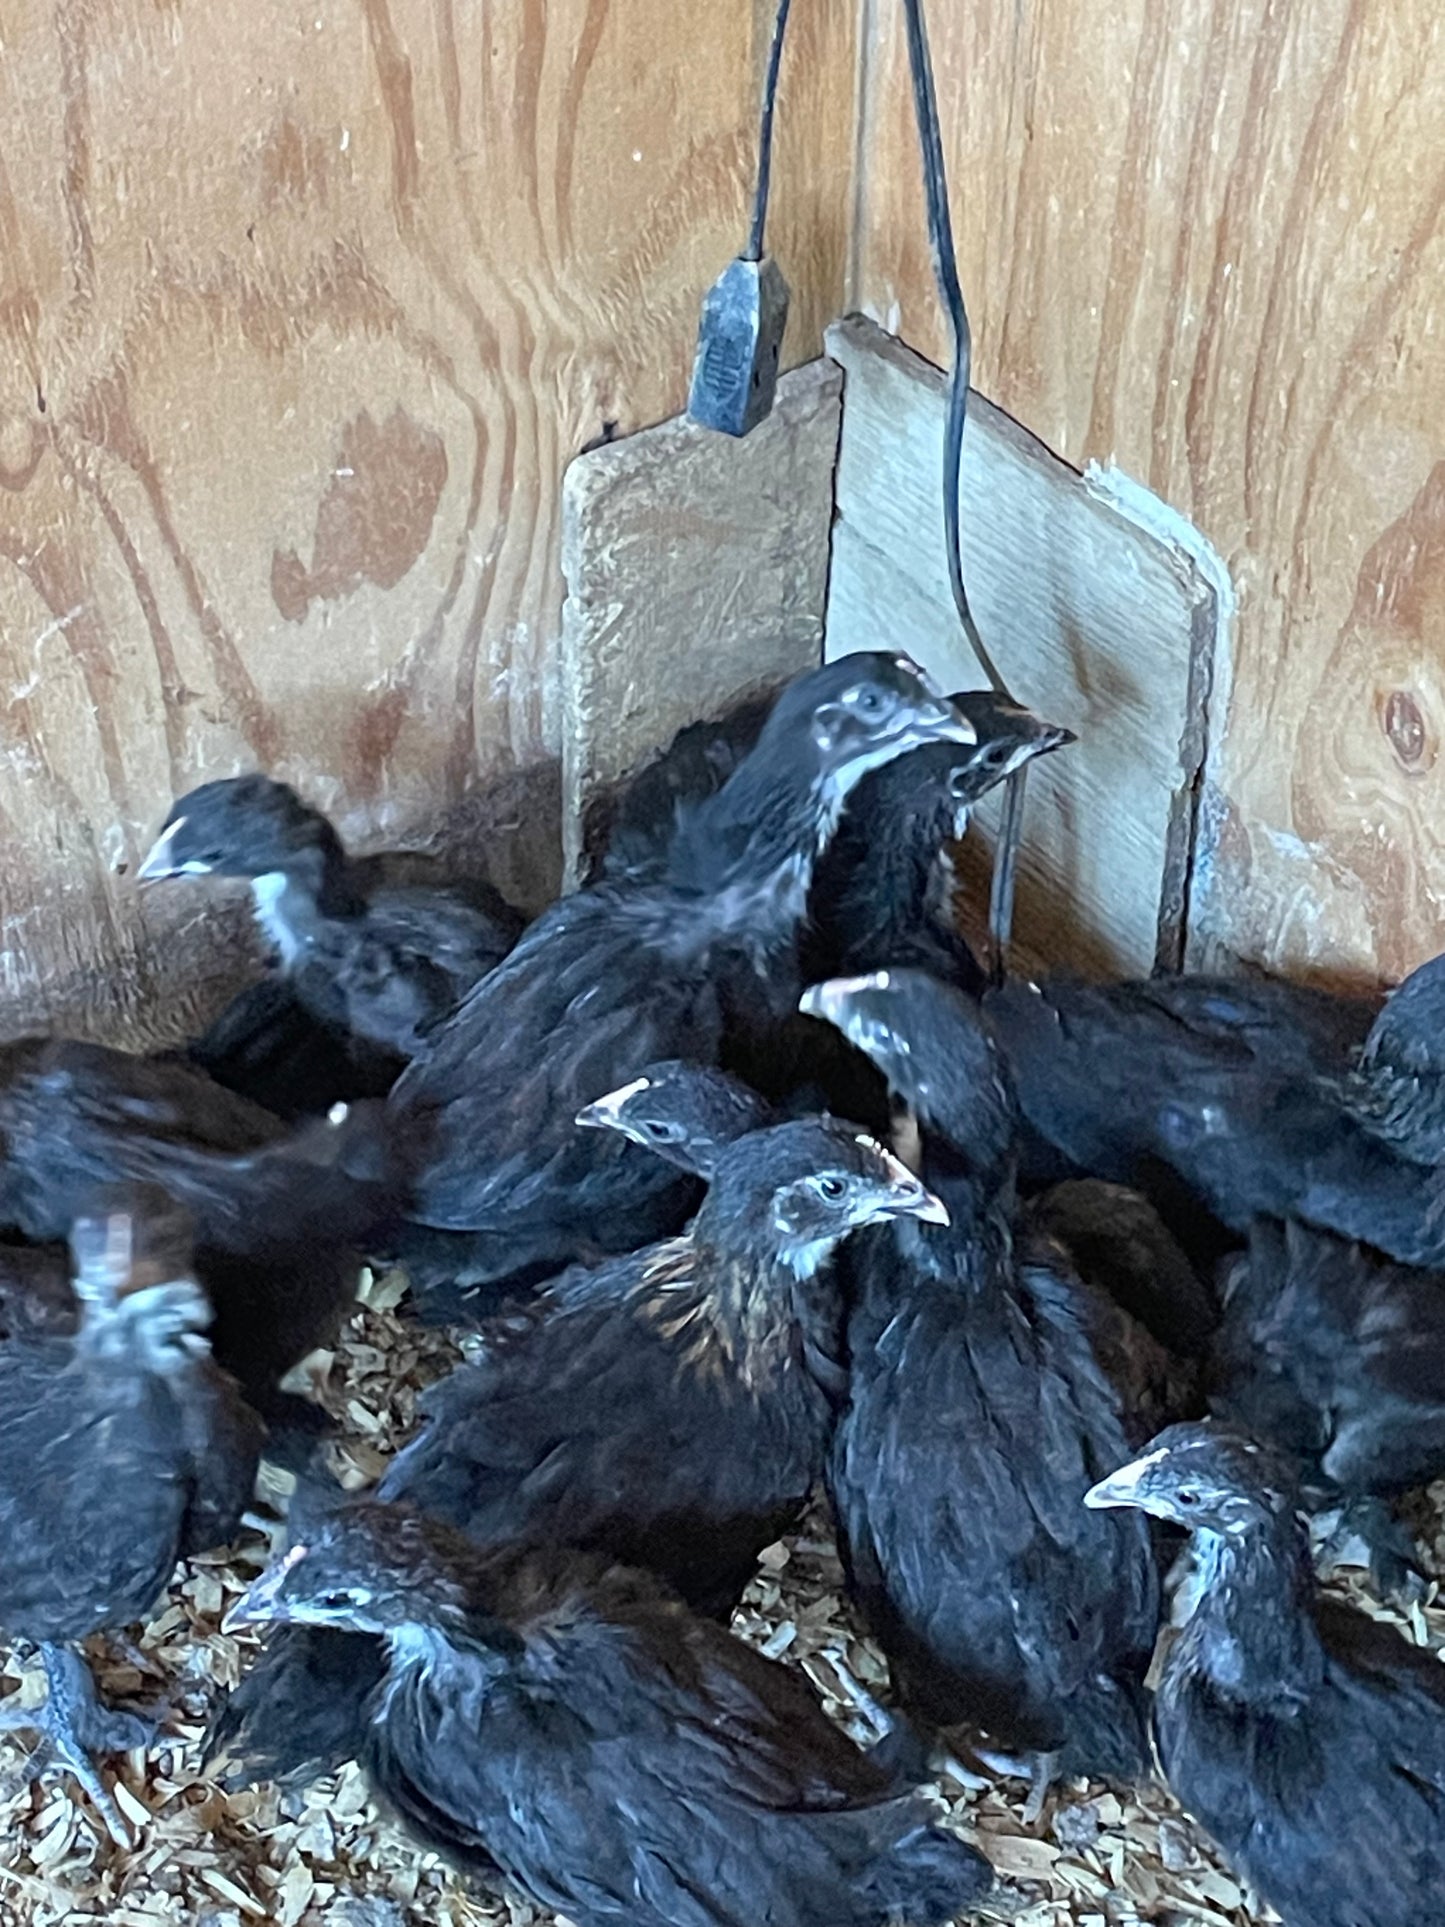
[1094, 621]
[1206, 241]
[697, 573]
[303, 311]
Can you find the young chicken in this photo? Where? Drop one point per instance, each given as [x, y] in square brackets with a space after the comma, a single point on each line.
[988, 1385]
[1308, 1738]
[622, 1761]
[366, 958]
[122, 1450]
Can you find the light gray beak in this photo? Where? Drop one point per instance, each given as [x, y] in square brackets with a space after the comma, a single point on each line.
[1040, 741]
[606, 1113]
[261, 1603]
[1121, 1488]
[160, 861]
[940, 722]
[908, 1196]
[829, 1001]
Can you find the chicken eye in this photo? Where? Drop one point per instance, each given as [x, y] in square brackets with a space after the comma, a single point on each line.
[1188, 1497]
[658, 1130]
[335, 1601]
[830, 1188]
[866, 699]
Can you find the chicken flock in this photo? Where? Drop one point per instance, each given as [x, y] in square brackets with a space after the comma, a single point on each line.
[1103, 1316]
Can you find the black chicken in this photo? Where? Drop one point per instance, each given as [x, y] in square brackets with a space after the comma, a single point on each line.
[553, 1714]
[667, 1406]
[630, 830]
[883, 895]
[123, 1448]
[1089, 1057]
[279, 1216]
[1335, 1355]
[366, 958]
[1306, 1737]
[988, 1386]
[701, 967]
[686, 1113]
[1243, 1101]
[883, 891]
[639, 825]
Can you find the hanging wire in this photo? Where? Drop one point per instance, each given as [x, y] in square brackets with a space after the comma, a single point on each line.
[945, 268]
[754, 251]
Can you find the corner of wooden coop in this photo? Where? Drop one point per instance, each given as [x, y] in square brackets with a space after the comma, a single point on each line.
[701, 569]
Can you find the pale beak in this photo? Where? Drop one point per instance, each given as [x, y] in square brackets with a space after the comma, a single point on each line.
[606, 1113]
[262, 1603]
[1121, 1488]
[940, 722]
[908, 1197]
[830, 1000]
[160, 860]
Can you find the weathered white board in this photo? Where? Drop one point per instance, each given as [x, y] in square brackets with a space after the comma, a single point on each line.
[1094, 621]
[697, 573]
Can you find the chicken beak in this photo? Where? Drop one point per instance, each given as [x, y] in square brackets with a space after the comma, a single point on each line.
[1035, 739]
[262, 1603]
[919, 1202]
[1122, 1488]
[829, 1001]
[908, 1197]
[937, 721]
[606, 1113]
[160, 859]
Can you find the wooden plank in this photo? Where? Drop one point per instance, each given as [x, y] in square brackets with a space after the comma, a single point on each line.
[303, 311]
[697, 573]
[1206, 241]
[1096, 623]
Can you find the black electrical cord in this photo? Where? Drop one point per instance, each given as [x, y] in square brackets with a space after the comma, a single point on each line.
[945, 268]
[754, 250]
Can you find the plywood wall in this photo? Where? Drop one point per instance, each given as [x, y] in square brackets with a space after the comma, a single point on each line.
[303, 309]
[1204, 240]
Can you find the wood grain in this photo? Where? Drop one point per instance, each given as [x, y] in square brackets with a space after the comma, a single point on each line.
[697, 575]
[303, 310]
[1205, 241]
[1105, 629]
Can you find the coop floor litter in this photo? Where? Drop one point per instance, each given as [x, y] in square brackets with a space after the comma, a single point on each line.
[325, 1855]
